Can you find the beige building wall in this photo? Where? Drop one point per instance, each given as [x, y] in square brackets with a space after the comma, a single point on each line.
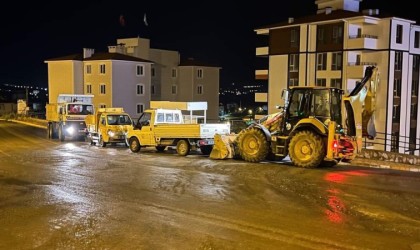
[164, 62]
[96, 80]
[277, 81]
[64, 77]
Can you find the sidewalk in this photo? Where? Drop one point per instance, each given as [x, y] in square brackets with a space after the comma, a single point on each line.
[364, 162]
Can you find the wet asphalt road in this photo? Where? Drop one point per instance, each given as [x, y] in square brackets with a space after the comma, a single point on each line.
[71, 195]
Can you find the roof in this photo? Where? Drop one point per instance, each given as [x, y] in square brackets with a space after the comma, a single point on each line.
[100, 56]
[193, 62]
[334, 15]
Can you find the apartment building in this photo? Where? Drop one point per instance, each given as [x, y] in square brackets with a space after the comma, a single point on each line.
[131, 74]
[333, 47]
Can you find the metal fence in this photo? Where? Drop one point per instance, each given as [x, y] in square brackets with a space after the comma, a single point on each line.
[393, 143]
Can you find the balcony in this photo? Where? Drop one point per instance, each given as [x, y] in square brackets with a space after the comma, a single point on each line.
[261, 97]
[261, 51]
[362, 42]
[261, 74]
[357, 69]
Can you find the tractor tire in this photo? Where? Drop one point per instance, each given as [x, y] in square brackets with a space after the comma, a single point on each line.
[183, 147]
[306, 149]
[253, 145]
[101, 142]
[134, 145]
[160, 148]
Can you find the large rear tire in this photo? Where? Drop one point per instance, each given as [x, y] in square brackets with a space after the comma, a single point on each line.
[101, 142]
[134, 145]
[306, 149]
[183, 147]
[253, 145]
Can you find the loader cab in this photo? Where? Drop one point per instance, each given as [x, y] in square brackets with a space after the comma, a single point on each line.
[321, 103]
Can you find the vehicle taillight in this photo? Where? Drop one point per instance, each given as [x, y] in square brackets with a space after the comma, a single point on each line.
[335, 144]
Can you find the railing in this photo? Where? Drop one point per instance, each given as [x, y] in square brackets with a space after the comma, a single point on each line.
[362, 63]
[362, 36]
[394, 143]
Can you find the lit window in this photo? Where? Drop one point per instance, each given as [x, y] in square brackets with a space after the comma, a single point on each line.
[322, 61]
[294, 62]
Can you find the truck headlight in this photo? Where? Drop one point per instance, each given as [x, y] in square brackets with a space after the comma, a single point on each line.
[70, 130]
[111, 133]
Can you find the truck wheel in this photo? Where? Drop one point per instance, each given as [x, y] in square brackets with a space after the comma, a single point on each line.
[101, 142]
[206, 150]
[253, 145]
[306, 149]
[160, 148]
[134, 145]
[50, 131]
[183, 147]
[61, 135]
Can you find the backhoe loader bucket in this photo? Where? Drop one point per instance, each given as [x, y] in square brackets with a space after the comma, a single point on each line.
[223, 147]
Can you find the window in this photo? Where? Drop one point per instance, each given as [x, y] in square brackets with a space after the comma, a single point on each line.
[200, 89]
[416, 64]
[336, 83]
[397, 87]
[322, 61]
[88, 88]
[294, 38]
[152, 71]
[415, 88]
[337, 61]
[174, 73]
[139, 108]
[395, 138]
[399, 34]
[140, 70]
[102, 88]
[89, 69]
[321, 82]
[294, 63]
[416, 39]
[152, 89]
[102, 105]
[413, 111]
[200, 73]
[396, 113]
[102, 69]
[293, 82]
[174, 89]
[337, 35]
[140, 89]
[320, 35]
[398, 60]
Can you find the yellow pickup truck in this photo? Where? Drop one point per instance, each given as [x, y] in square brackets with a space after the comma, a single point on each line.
[163, 127]
[108, 125]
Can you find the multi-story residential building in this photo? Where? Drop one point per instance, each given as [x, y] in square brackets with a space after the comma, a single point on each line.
[131, 74]
[333, 47]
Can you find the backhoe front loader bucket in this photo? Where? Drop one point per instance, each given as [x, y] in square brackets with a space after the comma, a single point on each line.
[223, 147]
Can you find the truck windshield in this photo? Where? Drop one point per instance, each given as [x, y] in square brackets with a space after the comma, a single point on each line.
[80, 109]
[118, 120]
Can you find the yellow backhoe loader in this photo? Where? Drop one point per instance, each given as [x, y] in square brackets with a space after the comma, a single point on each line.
[311, 128]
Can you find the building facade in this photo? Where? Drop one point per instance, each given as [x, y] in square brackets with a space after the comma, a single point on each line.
[131, 74]
[333, 48]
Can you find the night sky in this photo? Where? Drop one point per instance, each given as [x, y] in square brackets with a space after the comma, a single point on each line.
[216, 32]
